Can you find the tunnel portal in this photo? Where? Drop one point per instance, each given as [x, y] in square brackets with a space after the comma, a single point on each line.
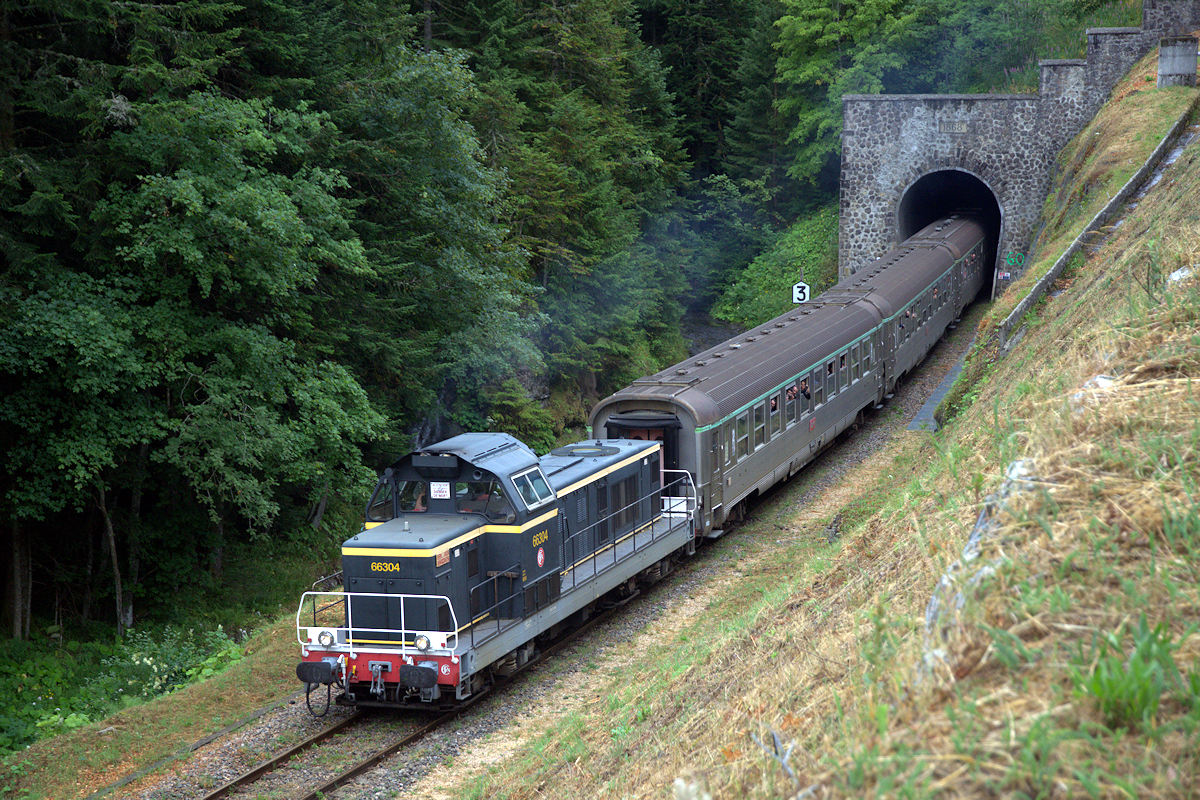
[946, 191]
[906, 159]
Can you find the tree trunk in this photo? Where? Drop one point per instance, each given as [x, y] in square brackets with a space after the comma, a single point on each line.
[216, 557]
[26, 583]
[86, 611]
[428, 25]
[16, 593]
[135, 531]
[116, 561]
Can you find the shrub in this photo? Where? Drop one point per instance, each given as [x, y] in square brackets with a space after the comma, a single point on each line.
[59, 688]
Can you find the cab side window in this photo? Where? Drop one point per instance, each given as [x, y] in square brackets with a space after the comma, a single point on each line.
[532, 487]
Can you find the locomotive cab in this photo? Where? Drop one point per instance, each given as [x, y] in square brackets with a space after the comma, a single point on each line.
[444, 523]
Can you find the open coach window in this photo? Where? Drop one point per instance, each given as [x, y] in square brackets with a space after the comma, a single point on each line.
[533, 488]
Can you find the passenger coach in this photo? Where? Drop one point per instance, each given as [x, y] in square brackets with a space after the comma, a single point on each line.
[750, 412]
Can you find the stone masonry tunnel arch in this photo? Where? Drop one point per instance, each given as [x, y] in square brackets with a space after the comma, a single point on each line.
[946, 191]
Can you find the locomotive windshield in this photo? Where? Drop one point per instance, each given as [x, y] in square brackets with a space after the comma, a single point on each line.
[409, 495]
[412, 496]
[483, 497]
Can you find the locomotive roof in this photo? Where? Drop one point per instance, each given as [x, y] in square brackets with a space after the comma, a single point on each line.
[498, 453]
[725, 378]
[568, 467]
[424, 531]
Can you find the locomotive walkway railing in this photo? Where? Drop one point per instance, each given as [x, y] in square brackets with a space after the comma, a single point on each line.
[593, 550]
[335, 615]
[588, 553]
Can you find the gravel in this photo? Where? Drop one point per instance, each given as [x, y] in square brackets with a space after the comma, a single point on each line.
[538, 687]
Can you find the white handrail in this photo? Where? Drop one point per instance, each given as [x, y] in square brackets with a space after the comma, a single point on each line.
[344, 635]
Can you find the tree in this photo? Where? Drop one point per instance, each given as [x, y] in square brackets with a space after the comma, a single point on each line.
[828, 50]
[757, 133]
[699, 42]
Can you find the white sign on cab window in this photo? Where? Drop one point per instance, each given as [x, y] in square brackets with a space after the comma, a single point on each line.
[439, 490]
[800, 292]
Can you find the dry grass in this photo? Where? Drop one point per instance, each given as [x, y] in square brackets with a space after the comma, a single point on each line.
[1097, 163]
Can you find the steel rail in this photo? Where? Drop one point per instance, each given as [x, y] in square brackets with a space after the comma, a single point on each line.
[368, 763]
[275, 761]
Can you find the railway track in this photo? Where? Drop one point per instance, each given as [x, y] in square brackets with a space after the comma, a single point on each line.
[346, 774]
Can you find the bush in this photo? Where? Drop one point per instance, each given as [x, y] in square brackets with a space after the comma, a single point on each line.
[59, 688]
[807, 251]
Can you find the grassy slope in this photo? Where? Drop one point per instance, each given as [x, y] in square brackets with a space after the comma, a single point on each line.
[1045, 684]
[104, 752]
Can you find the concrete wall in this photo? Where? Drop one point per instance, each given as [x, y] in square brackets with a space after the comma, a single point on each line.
[1008, 142]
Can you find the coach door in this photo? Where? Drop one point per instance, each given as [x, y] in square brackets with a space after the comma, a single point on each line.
[649, 427]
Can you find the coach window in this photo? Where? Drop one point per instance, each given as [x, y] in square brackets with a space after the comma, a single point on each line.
[743, 434]
[731, 439]
[760, 424]
[855, 363]
[867, 347]
[776, 414]
[818, 387]
[791, 394]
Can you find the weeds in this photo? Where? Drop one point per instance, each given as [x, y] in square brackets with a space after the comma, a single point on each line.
[1129, 688]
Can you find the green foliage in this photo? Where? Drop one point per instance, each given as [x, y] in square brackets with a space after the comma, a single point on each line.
[827, 51]
[574, 109]
[806, 251]
[514, 412]
[699, 42]
[757, 133]
[1129, 687]
[56, 689]
[897, 46]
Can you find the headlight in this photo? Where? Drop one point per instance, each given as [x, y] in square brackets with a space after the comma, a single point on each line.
[422, 642]
[325, 638]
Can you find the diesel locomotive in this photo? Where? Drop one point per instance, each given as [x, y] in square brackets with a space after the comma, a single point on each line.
[474, 550]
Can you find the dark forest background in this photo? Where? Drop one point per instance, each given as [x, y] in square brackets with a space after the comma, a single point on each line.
[253, 250]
